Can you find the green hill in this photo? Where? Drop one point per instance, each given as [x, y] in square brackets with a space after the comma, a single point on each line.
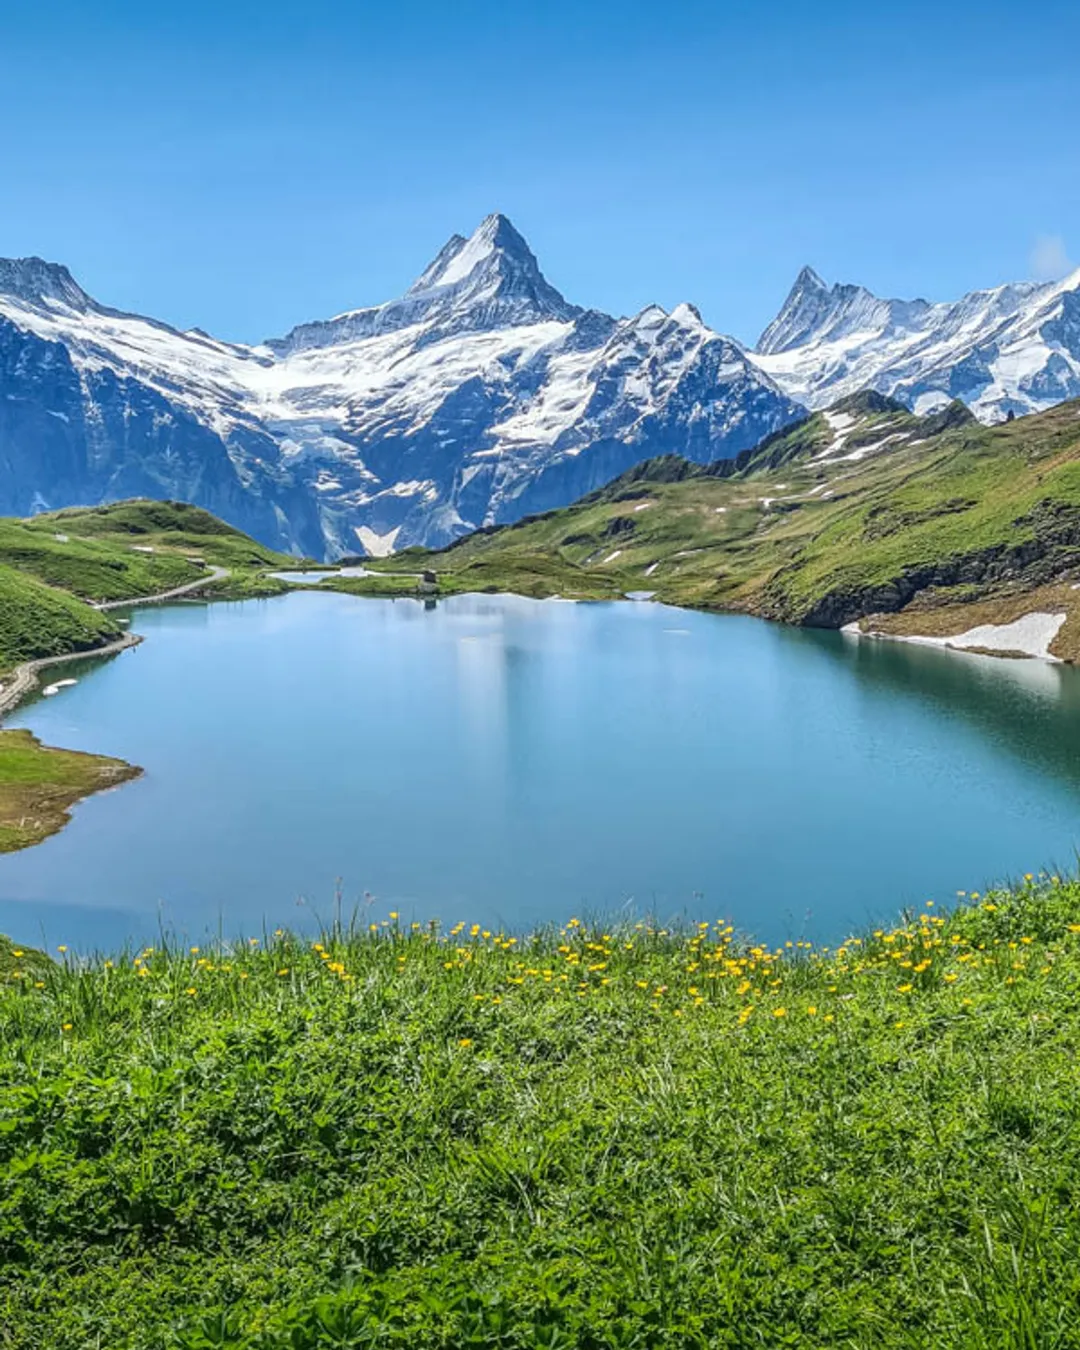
[37, 620]
[862, 510]
[52, 565]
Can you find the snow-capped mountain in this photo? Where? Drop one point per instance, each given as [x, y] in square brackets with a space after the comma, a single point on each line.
[1012, 349]
[478, 396]
[96, 405]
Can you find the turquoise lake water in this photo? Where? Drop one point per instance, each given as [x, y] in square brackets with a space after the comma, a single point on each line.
[513, 762]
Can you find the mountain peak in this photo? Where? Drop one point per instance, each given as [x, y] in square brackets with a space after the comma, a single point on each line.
[687, 315]
[489, 280]
[500, 231]
[35, 280]
[808, 279]
[807, 304]
[494, 259]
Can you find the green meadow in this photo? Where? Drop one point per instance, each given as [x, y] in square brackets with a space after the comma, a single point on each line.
[601, 1138]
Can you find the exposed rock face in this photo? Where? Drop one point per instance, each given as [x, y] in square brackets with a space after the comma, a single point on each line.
[478, 396]
[76, 430]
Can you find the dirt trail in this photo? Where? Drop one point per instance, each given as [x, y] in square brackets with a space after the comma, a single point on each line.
[24, 679]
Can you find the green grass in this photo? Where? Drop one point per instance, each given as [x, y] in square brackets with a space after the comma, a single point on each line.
[783, 533]
[37, 620]
[98, 568]
[51, 565]
[177, 529]
[39, 785]
[585, 1139]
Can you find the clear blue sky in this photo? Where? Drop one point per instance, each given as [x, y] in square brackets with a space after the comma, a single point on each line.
[245, 166]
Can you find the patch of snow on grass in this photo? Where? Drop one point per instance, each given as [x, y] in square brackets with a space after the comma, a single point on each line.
[861, 452]
[1031, 635]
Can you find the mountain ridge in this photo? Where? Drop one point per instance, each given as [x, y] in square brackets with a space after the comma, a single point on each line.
[479, 395]
[476, 396]
[1013, 348]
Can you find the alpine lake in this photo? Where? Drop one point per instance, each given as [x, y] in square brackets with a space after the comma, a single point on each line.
[512, 763]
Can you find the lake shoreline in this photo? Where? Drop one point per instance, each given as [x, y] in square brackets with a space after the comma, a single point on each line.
[1024, 645]
[23, 680]
[648, 733]
[1029, 635]
[39, 784]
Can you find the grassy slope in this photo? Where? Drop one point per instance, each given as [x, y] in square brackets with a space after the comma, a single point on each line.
[582, 1140]
[791, 534]
[178, 533]
[37, 620]
[51, 564]
[39, 785]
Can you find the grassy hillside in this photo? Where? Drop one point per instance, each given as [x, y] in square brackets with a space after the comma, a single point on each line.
[853, 512]
[592, 1139]
[183, 539]
[37, 620]
[51, 564]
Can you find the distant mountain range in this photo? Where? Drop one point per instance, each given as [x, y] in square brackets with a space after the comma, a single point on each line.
[477, 397]
[1014, 349]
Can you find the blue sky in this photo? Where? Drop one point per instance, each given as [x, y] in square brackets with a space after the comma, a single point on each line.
[245, 166]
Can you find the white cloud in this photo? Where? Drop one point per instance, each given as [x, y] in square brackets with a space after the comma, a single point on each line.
[1049, 260]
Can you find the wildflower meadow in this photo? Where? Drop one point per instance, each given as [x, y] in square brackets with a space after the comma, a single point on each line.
[592, 1137]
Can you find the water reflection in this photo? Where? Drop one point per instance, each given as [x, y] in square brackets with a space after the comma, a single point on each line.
[1029, 709]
